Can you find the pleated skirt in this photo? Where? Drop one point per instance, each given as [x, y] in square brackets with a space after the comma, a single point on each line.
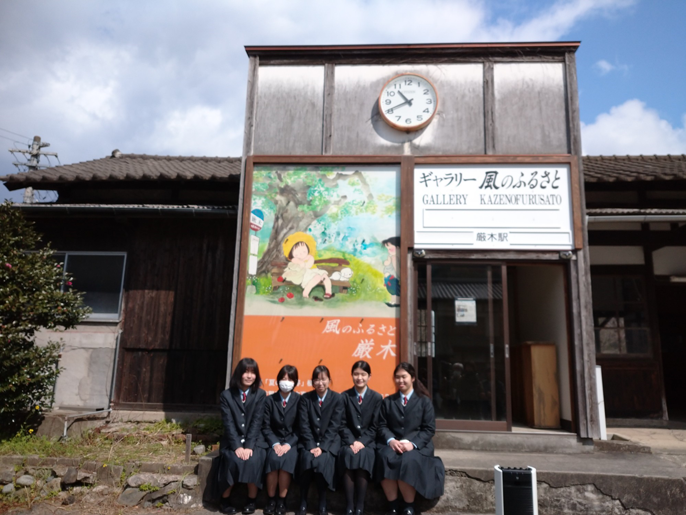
[364, 459]
[426, 474]
[234, 470]
[287, 462]
[325, 465]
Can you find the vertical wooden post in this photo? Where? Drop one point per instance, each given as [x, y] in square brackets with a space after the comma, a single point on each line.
[249, 132]
[580, 280]
[188, 448]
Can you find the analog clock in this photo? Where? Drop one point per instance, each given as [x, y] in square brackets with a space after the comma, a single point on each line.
[408, 102]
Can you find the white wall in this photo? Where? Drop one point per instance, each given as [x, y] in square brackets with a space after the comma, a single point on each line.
[87, 360]
[670, 261]
[540, 308]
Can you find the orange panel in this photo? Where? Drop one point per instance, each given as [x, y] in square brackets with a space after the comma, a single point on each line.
[337, 342]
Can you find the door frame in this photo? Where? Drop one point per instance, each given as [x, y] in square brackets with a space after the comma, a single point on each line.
[467, 425]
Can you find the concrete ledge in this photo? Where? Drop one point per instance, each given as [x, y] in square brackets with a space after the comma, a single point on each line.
[554, 443]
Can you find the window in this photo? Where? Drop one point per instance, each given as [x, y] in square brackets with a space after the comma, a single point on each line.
[620, 315]
[100, 275]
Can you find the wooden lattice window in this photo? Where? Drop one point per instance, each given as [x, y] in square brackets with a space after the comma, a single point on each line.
[620, 315]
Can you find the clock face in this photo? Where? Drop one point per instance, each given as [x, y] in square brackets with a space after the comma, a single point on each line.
[408, 102]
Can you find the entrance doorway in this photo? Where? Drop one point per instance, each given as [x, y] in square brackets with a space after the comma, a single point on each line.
[492, 344]
[462, 337]
[671, 299]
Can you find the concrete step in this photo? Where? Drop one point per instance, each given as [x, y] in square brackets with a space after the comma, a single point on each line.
[538, 442]
[595, 483]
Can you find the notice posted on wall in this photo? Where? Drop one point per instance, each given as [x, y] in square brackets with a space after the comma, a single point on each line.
[493, 206]
[465, 311]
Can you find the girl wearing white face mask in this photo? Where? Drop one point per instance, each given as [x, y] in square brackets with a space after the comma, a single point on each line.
[278, 428]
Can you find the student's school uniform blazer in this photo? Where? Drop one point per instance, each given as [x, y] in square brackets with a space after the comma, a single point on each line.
[319, 426]
[242, 421]
[414, 422]
[280, 424]
[360, 420]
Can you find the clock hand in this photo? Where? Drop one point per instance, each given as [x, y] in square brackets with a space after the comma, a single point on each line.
[407, 101]
[390, 109]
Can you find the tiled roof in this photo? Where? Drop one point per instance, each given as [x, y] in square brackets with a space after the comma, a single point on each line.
[131, 167]
[634, 168]
[44, 209]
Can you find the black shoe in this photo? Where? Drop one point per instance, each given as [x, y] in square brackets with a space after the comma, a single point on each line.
[270, 508]
[249, 508]
[323, 512]
[302, 510]
[359, 512]
[392, 512]
[225, 506]
[408, 511]
[281, 507]
[349, 512]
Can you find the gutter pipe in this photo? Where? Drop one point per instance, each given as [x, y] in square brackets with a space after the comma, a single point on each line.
[123, 211]
[634, 218]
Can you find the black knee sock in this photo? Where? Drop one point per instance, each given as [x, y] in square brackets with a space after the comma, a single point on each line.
[349, 487]
[305, 481]
[361, 482]
[322, 487]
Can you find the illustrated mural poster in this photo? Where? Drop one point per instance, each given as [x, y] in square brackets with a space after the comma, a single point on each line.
[323, 281]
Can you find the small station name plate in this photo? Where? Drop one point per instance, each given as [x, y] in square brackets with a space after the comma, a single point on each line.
[485, 206]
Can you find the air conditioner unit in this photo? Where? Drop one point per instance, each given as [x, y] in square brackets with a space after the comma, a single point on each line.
[515, 491]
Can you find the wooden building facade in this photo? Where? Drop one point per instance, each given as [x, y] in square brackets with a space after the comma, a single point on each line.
[151, 240]
[464, 302]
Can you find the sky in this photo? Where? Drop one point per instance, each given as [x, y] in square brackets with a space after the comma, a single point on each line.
[169, 77]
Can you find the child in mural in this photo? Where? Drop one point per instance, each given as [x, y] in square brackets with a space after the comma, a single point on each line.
[300, 249]
[390, 270]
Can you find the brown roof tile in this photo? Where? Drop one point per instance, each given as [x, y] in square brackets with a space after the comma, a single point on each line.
[634, 168]
[130, 167]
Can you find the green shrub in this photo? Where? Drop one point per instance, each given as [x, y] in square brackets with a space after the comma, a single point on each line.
[35, 294]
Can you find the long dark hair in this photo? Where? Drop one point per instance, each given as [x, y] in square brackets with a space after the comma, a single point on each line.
[290, 371]
[319, 370]
[362, 365]
[243, 366]
[418, 386]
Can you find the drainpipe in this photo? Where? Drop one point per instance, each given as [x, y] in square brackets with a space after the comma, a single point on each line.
[635, 218]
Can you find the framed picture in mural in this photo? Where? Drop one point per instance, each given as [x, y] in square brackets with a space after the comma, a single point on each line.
[322, 275]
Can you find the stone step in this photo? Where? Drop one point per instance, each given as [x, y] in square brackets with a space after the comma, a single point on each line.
[538, 442]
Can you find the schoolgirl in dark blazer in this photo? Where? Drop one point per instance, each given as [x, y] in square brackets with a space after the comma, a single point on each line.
[358, 437]
[279, 430]
[320, 413]
[405, 458]
[242, 448]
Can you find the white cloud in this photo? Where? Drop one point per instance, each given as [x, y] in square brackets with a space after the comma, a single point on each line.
[631, 129]
[170, 77]
[605, 67]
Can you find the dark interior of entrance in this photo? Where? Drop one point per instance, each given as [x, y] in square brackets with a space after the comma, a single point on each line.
[671, 309]
[494, 351]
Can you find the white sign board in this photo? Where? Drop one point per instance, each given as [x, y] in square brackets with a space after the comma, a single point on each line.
[493, 206]
[465, 311]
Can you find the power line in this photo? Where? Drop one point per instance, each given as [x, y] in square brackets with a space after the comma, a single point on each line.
[14, 140]
[16, 134]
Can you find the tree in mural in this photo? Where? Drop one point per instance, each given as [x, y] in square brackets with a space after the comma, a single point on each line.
[300, 196]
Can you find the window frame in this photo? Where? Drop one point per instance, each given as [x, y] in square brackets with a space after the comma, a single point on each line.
[618, 274]
[98, 317]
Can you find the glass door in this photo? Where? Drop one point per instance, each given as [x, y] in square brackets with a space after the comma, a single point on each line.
[461, 343]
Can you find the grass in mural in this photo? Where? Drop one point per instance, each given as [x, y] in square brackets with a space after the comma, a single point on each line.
[366, 284]
[117, 444]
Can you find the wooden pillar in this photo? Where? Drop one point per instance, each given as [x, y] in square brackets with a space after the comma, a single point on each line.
[580, 283]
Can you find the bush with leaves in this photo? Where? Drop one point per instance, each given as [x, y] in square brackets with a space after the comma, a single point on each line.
[35, 294]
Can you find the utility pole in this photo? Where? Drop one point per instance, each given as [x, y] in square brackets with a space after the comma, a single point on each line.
[33, 162]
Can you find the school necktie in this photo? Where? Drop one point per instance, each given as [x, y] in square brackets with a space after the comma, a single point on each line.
[284, 403]
[404, 401]
[359, 399]
[244, 398]
[320, 403]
